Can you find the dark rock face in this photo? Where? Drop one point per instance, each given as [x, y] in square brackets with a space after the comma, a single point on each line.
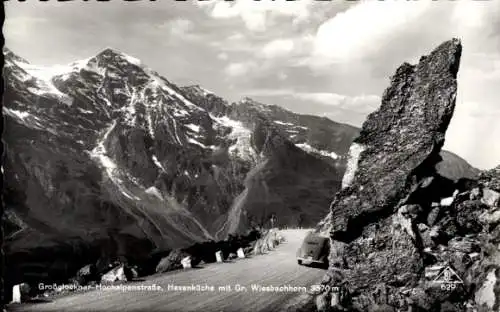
[387, 254]
[393, 233]
[401, 141]
[491, 178]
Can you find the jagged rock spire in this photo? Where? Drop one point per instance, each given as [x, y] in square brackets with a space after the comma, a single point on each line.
[399, 141]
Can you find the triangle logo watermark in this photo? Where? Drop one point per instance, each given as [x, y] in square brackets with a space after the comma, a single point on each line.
[448, 276]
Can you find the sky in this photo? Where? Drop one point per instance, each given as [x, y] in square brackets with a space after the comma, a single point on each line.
[327, 58]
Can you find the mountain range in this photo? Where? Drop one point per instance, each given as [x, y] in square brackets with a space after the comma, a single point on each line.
[107, 158]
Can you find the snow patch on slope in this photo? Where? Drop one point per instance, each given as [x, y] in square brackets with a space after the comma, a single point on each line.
[85, 111]
[198, 90]
[100, 153]
[157, 163]
[154, 191]
[193, 141]
[352, 164]
[164, 86]
[81, 64]
[283, 123]
[242, 147]
[308, 148]
[15, 113]
[129, 109]
[193, 127]
[45, 75]
[180, 97]
[131, 59]
[205, 91]
[27, 119]
[174, 125]
[180, 113]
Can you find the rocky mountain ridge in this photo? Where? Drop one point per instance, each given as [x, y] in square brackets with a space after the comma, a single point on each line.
[106, 158]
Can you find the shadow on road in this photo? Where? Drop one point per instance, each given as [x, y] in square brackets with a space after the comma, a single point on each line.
[316, 266]
[197, 267]
[38, 300]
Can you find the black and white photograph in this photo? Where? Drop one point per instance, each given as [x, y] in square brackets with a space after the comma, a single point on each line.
[251, 155]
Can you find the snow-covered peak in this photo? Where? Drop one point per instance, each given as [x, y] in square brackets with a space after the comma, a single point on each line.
[11, 56]
[245, 100]
[198, 90]
[111, 53]
[254, 104]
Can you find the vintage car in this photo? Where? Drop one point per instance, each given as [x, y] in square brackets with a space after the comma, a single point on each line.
[314, 250]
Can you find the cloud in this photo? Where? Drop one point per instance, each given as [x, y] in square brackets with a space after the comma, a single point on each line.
[364, 28]
[269, 92]
[236, 37]
[235, 42]
[372, 30]
[239, 69]
[323, 97]
[19, 28]
[180, 26]
[223, 56]
[254, 20]
[360, 104]
[258, 15]
[282, 76]
[338, 107]
[473, 134]
[363, 104]
[278, 47]
[484, 66]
